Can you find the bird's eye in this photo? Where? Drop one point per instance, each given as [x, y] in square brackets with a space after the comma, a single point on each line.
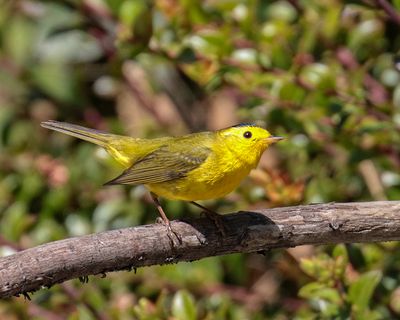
[247, 134]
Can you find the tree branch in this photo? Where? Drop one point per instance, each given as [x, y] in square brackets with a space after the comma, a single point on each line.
[130, 248]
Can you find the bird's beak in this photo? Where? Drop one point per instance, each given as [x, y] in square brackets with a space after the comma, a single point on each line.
[273, 139]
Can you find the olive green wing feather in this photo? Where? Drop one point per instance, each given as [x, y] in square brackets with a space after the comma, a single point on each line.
[163, 165]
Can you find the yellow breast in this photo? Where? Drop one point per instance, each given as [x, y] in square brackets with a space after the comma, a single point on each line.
[220, 174]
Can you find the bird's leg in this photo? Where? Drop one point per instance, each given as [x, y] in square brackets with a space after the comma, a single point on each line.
[165, 220]
[214, 216]
[160, 209]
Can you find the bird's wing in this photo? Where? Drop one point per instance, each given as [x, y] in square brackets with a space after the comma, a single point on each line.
[163, 165]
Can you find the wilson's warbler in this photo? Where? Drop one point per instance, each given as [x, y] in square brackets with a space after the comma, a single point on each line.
[198, 166]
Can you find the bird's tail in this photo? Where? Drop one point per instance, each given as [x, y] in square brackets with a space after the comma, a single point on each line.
[95, 136]
[121, 148]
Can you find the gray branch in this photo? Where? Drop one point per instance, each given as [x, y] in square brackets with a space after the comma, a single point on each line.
[130, 248]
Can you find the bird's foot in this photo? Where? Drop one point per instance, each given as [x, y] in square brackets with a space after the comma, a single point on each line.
[165, 221]
[214, 217]
[171, 233]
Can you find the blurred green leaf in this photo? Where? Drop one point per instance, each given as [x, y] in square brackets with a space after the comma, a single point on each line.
[183, 306]
[130, 11]
[361, 36]
[361, 290]
[342, 260]
[317, 75]
[69, 47]
[19, 40]
[315, 290]
[282, 10]
[327, 300]
[396, 97]
[15, 221]
[57, 80]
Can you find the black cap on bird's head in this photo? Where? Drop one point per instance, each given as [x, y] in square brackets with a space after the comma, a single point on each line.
[246, 124]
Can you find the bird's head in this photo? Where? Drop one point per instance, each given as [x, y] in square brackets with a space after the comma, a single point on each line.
[248, 140]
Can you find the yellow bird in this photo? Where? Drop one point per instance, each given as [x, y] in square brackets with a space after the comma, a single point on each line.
[197, 166]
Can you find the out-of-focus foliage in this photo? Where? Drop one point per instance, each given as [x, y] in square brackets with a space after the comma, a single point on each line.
[323, 74]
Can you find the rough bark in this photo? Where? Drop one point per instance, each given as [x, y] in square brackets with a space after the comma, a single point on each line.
[130, 248]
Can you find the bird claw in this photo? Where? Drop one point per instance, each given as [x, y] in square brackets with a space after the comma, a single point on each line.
[214, 216]
[171, 233]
